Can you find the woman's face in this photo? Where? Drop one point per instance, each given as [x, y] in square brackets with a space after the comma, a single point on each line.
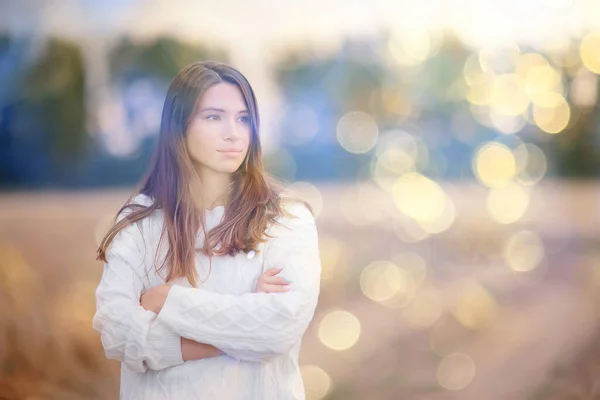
[218, 136]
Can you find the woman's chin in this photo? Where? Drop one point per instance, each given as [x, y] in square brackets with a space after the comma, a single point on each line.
[230, 169]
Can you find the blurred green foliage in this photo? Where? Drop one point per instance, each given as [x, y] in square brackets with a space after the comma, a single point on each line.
[44, 138]
[162, 58]
[52, 90]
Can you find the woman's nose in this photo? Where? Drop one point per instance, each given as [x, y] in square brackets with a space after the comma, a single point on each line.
[232, 131]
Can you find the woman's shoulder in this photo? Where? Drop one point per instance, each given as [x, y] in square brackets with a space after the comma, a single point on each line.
[294, 228]
[148, 225]
[294, 208]
[134, 203]
[295, 214]
[142, 199]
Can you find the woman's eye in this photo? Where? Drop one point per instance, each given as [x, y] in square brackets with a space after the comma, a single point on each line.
[213, 117]
[245, 119]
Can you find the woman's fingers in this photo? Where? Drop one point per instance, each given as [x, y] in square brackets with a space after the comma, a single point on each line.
[272, 271]
[269, 283]
[267, 288]
[275, 280]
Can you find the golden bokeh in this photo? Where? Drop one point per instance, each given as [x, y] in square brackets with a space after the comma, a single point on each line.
[541, 82]
[443, 221]
[317, 382]
[382, 176]
[507, 124]
[456, 371]
[397, 151]
[419, 197]
[524, 251]
[528, 61]
[413, 263]
[382, 280]
[509, 94]
[402, 298]
[531, 164]
[532, 277]
[481, 114]
[499, 57]
[472, 69]
[589, 50]
[554, 118]
[494, 164]
[474, 306]
[333, 256]
[339, 330]
[507, 204]
[414, 271]
[455, 150]
[479, 82]
[480, 90]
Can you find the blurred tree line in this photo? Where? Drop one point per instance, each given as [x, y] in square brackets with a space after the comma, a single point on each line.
[45, 140]
[42, 111]
[419, 100]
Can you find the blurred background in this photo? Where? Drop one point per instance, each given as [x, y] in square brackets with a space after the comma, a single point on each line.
[450, 149]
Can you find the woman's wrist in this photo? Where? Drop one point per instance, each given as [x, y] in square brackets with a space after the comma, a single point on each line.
[154, 298]
[191, 350]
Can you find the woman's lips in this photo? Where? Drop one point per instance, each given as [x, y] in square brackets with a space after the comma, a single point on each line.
[230, 153]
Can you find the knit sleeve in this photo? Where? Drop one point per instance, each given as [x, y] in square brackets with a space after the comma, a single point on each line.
[129, 333]
[257, 326]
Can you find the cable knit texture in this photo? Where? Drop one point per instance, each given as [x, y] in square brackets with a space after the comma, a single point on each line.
[260, 333]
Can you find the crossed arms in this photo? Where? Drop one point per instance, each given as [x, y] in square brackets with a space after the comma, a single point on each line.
[181, 323]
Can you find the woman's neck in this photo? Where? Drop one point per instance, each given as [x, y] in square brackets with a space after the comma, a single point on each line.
[210, 189]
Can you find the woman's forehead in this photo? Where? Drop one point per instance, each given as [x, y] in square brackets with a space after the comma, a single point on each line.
[224, 97]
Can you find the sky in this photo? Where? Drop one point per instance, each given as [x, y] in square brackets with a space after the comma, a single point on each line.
[255, 30]
[480, 22]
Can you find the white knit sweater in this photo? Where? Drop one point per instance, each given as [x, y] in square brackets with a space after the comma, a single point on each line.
[259, 333]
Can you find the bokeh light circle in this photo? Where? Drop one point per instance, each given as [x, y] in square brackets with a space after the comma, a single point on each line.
[357, 132]
[339, 330]
[456, 371]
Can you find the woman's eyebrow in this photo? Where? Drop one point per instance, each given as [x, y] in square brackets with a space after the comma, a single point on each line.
[220, 110]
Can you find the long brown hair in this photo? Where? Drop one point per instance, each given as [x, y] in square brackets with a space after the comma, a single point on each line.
[254, 200]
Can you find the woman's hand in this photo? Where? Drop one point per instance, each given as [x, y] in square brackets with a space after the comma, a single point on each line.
[269, 283]
[154, 298]
[191, 350]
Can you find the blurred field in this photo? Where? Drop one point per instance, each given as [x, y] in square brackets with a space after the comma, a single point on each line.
[471, 329]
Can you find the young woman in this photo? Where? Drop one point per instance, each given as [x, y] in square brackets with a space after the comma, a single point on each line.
[211, 275]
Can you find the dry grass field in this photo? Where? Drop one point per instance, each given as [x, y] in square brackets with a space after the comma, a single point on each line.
[473, 329]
